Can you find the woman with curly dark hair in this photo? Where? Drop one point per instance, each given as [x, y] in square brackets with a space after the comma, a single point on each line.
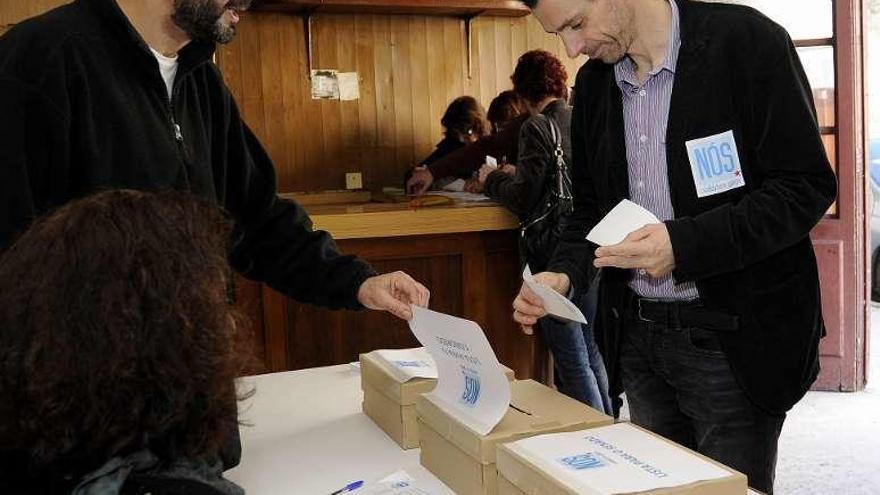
[119, 349]
[539, 193]
[464, 122]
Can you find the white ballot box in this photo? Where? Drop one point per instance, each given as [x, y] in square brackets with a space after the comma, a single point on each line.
[465, 460]
[613, 460]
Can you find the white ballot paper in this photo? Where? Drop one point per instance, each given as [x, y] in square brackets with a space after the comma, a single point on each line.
[619, 222]
[471, 385]
[617, 459]
[406, 364]
[397, 483]
[455, 186]
[491, 161]
[555, 303]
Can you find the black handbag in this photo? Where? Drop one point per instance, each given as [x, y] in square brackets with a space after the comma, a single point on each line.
[541, 230]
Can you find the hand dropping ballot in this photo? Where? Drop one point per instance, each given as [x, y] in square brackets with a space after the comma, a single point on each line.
[625, 218]
[471, 384]
[554, 303]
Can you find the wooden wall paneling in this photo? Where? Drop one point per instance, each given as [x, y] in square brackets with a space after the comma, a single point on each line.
[292, 63]
[385, 101]
[365, 47]
[411, 67]
[403, 69]
[421, 89]
[15, 11]
[504, 57]
[330, 162]
[440, 80]
[349, 111]
[251, 99]
[275, 133]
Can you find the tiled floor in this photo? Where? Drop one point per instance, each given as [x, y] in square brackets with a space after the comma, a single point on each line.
[831, 441]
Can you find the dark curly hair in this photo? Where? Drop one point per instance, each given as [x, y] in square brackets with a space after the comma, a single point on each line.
[505, 107]
[117, 333]
[464, 117]
[538, 75]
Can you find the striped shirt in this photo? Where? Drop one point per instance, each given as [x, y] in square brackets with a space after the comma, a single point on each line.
[645, 114]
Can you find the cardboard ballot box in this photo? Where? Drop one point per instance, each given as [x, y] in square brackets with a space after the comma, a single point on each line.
[390, 402]
[619, 459]
[465, 460]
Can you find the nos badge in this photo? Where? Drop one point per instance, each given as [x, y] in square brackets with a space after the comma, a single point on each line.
[715, 164]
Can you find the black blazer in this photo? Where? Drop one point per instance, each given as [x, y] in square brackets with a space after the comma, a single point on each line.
[748, 249]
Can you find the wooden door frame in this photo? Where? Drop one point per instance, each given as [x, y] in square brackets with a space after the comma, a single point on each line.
[841, 241]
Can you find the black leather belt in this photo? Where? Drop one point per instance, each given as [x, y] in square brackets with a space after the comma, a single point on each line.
[684, 314]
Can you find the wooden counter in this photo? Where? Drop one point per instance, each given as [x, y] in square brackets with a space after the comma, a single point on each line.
[374, 220]
[465, 254]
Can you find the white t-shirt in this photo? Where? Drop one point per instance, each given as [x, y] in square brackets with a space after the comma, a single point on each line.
[168, 68]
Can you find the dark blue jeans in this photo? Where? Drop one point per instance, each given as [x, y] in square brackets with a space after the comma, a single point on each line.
[579, 369]
[679, 385]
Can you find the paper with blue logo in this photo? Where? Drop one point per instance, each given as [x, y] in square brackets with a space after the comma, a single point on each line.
[397, 483]
[614, 460]
[715, 164]
[471, 384]
[406, 364]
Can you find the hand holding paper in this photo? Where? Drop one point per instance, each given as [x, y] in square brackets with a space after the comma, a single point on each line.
[633, 238]
[552, 302]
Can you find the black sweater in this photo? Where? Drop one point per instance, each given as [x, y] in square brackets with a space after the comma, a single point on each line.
[85, 109]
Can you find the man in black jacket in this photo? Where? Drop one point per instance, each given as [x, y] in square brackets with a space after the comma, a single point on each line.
[701, 113]
[103, 94]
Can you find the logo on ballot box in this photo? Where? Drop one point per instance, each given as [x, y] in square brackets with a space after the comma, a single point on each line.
[580, 462]
[411, 364]
[715, 164]
[471, 392]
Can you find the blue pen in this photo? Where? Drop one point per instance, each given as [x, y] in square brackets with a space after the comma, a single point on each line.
[349, 488]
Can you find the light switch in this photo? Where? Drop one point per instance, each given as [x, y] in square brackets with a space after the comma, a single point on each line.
[354, 180]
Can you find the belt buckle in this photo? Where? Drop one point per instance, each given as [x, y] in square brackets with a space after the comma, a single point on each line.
[641, 317]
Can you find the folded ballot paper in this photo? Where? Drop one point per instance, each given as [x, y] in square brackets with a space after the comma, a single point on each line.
[471, 384]
[612, 460]
[397, 483]
[554, 303]
[624, 218]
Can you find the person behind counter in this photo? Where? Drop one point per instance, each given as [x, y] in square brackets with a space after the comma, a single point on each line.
[533, 193]
[506, 114]
[119, 349]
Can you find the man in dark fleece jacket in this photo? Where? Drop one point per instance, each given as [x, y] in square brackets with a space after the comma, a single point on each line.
[105, 94]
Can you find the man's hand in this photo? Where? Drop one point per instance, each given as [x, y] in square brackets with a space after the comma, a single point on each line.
[421, 180]
[509, 169]
[484, 172]
[393, 292]
[473, 186]
[647, 248]
[528, 307]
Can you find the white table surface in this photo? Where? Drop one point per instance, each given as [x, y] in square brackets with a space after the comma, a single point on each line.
[305, 434]
[308, 436]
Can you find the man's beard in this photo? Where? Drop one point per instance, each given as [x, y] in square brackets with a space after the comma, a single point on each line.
[202, 19]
